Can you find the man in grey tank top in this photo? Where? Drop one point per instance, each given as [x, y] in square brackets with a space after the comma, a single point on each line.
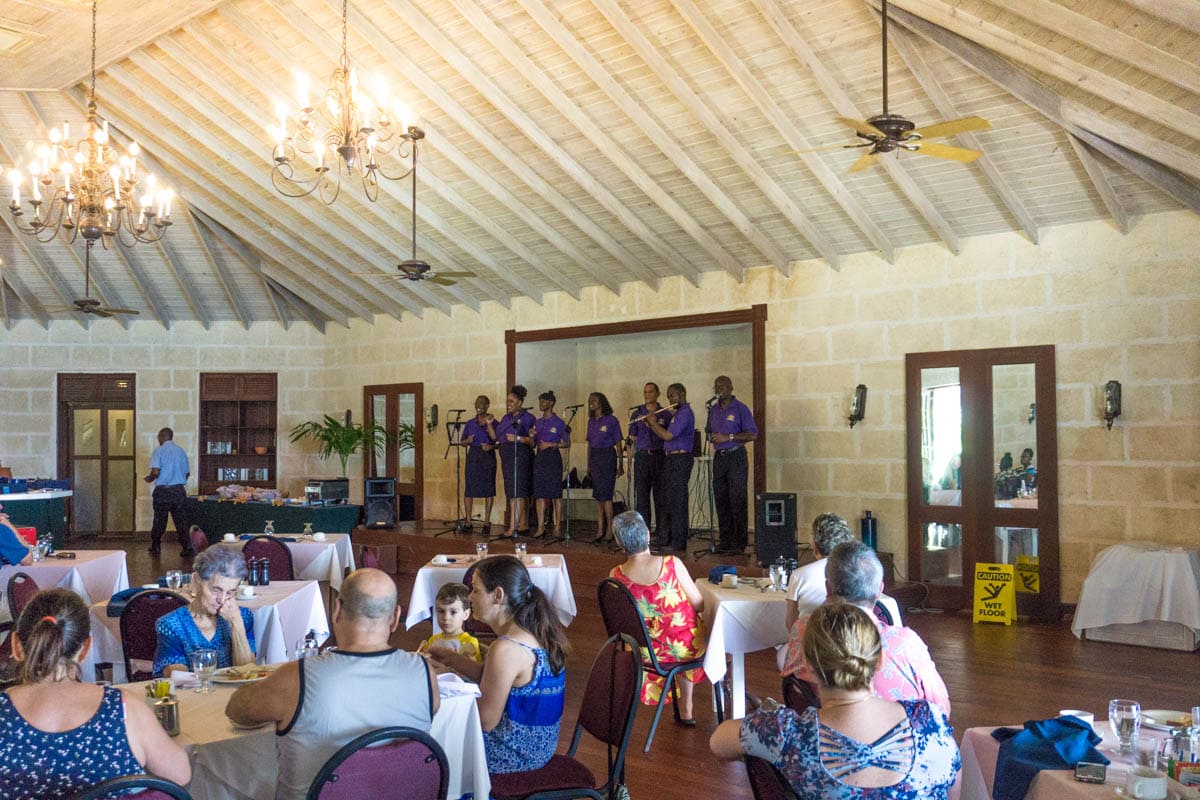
[322, 702]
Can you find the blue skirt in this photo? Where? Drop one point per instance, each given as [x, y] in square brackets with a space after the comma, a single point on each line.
[518, 480]
[602, 464]
[547, 474]
[481, 473]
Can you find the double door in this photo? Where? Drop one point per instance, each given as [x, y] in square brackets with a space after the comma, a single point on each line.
[983, 473]
[97, 437]
[398, 408]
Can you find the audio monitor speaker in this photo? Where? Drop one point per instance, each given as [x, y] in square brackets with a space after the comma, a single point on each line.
[774, 526]
[379, 502]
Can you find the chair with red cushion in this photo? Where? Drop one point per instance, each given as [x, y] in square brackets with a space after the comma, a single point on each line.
[765, 780]
[29, 535]
[156, 789]
[276, 552]
[21, 589]
[411, 766]
[139, 639]
[199, 539]
[609, 705]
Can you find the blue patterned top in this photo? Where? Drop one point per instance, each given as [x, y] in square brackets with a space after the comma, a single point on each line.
[36, 764]
[814, 757]
[527, 734]
[178, 636]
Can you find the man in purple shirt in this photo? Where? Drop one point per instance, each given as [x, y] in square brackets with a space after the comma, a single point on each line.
[730, 426]
[677, 469]
[648, 457]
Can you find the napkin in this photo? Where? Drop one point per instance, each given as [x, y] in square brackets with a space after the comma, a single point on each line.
[1057, 743]
[248, 536]
[716, 573]
[452, 685]
[184, 680]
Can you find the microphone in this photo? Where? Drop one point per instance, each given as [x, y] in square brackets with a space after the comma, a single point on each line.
[457, 411]
[577, 405]
[634, 408]
[710, 402]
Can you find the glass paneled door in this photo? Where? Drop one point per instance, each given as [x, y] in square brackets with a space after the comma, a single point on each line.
[983, 473]
[398, 408]
[96, 437]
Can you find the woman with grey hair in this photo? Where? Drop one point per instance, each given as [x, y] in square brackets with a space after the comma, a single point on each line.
[670, 603]
[807, 588]
[213, 619]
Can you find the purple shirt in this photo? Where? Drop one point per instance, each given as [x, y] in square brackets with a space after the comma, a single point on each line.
[476, 432]
[682, 429]
[643, 437]
[733, 418]
[519, 425]
[550, 429]
[603, 431]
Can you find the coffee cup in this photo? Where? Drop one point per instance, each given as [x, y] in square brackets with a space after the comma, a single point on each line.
[536, 561]
[319, 536]
[229, 537]
[246, 591]
[1086, 716]
[729, 580]
[1145, 783]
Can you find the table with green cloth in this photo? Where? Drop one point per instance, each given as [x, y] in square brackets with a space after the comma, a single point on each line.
[216, 518]
[46, 511]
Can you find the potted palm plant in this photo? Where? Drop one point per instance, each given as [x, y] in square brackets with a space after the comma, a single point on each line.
[344, 439]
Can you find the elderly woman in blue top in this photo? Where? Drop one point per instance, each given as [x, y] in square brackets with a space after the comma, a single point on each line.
[213, 618]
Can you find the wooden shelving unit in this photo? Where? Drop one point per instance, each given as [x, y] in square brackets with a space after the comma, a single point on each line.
[238, 413]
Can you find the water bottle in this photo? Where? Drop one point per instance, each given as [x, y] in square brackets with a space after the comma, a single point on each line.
[870, 532]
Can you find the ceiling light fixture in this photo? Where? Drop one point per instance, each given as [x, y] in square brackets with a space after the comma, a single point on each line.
[88, 188]
[351, 127]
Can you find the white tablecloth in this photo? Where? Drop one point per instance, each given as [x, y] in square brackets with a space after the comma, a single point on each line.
[744, 620]
[93, 574]
[318, 561]
[233, 764]
[1139, 581]
[551, 577]
[283, 613]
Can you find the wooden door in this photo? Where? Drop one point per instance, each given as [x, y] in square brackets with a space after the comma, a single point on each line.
[399, 408]
[96, 445]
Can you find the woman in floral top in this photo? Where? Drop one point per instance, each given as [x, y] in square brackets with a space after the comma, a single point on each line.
[670, 603]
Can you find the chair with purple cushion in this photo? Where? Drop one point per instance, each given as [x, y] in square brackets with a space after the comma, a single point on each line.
[609, 705]
[21, 589]
[199, 539]
[277, 553]
[156, 789]
[799, 695]
[882, 614]
[765, 780]
[139, 639]
[411, 766]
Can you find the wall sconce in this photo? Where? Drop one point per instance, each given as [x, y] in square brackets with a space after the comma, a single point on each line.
[1032, 413]
[1112, 402]
[431, 418]
[858, 405]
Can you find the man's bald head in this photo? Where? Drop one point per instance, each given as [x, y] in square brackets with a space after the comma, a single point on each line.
[369, 594]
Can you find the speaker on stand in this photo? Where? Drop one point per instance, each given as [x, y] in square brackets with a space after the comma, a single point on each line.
[774, 526]
[379, 502]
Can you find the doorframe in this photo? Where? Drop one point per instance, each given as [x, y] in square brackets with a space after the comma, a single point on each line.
[978, 514]
[394, 390]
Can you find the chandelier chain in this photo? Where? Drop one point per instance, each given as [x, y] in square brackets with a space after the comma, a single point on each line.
[345, 60]
[93, 98]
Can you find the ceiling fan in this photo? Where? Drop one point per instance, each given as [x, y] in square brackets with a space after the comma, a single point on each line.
[414, 269]
[886, 132]
[90, 305]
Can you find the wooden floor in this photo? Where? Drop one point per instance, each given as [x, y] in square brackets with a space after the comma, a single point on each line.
[995, 674]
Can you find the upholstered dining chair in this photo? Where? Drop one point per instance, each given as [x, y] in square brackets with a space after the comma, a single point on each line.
[198, 538]
[609, 705]
[411, 766]
[276, 552]
[139, 639]
[155, 789]
[766, 783]
[21, 589]
[799, 695]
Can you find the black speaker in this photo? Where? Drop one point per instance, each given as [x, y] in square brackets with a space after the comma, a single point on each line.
[774, 526]
[379, 502]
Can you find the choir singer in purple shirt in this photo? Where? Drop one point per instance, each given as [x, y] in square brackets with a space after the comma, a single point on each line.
[604, 459]
[730, 426]
[677, 440]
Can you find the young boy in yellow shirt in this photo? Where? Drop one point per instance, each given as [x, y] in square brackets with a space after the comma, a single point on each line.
[453, 609]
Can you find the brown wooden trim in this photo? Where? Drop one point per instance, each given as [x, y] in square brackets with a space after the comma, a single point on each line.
[392, 392]
[758, 371]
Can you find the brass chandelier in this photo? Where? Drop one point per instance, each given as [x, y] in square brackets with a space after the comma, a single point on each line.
[349, 132]
[86, 188]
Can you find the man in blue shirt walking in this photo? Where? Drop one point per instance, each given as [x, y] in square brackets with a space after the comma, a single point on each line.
[169, 473]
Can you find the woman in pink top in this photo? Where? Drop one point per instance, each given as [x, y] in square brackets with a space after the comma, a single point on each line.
[670, 603]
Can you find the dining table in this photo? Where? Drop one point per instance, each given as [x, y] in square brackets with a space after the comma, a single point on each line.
[284, 612]
[91, 574]
[744, 619]
[548, 571]
[235, 763]
[313, 559]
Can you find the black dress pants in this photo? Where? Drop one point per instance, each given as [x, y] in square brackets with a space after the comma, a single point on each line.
[730, 471]
[647, 485]
[169, 500]
[677, 471]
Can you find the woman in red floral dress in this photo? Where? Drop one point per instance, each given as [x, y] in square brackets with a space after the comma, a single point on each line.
[670, 603]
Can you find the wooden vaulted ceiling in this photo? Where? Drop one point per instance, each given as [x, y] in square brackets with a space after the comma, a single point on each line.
[576, 143]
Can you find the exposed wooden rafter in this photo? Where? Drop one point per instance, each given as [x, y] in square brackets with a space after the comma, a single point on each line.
[1104, 187]
[250, 259]
[224, 277]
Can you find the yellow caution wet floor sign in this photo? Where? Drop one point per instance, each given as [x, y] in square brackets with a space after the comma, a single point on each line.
[1027, 575]
[995, 597]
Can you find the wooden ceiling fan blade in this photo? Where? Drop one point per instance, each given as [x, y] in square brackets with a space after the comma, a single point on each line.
[866, 161]
[863, 128]
[456, 275]
[441, 281]
[946, 151]
[111, 311]
[954, 127]
[828, 148]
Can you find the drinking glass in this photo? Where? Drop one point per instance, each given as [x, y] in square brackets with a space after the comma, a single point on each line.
[44, 546]
[1125, 717]
[174, 579]
[306, 648]
[35, 551]
[520, 548]
[269, 528]
[204, 664]
[308, 531]
[481, 549]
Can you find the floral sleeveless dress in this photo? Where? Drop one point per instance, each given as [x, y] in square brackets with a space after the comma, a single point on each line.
[674, 626]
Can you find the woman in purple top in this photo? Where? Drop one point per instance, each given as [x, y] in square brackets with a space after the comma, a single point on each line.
[551, 435]
[480, 439]
[604, 459]
[515, 433]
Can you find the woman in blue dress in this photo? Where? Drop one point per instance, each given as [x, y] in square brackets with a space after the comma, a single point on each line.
[59, 736]
[515, 433]
[855, 746]
[212, 620]
[480, 439]
[523, 677]
[551, 435]
[604, 460]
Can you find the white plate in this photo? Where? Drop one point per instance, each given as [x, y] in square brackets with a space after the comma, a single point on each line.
[1162, 719]
[223, 676]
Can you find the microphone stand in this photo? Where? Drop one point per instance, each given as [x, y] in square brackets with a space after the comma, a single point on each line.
[454, 440]
[566, 521]
[515, 459]
[712, 533]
